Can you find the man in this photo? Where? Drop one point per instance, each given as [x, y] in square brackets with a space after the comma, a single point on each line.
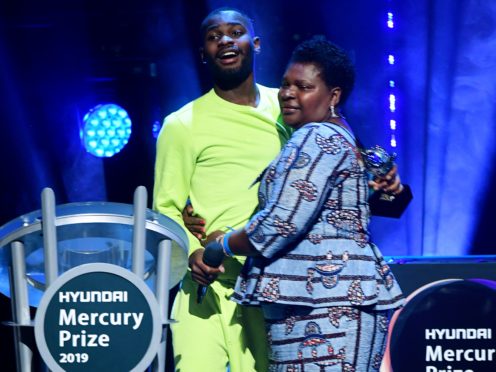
[209, 152]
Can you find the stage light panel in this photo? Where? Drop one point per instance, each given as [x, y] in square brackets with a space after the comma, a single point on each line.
[106, 130]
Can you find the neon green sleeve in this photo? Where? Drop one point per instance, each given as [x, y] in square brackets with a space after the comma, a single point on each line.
[174, 166]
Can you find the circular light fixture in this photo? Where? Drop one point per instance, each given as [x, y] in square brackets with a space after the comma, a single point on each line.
[106, 130]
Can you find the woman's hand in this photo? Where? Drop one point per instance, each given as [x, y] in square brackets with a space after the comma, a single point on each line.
[200, 272]
[389, 183]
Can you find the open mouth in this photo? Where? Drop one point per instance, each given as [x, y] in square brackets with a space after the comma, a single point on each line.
[228, 56]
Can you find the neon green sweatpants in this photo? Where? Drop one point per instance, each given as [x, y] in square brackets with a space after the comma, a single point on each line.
[218, 332]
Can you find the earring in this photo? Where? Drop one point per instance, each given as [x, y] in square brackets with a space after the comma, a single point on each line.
[333, 112]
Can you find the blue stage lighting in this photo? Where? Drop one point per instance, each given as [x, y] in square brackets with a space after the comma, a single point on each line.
[390, 21]
[391, 60]
[106, 130]
[392, 103]
[157, 125]
[393, 141]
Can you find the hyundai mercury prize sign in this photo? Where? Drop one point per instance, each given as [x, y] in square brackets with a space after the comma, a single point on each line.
[98, 317]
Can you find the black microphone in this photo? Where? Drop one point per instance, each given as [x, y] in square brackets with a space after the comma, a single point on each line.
[213, 257]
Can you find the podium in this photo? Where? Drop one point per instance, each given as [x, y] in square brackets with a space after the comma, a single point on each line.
[39, 248]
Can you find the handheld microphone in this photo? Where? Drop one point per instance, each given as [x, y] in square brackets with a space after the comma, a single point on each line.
[213, 257]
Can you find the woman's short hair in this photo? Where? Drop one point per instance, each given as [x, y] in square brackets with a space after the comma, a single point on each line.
[336, 67]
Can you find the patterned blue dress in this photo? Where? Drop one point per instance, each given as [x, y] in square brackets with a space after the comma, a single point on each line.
[319, 277]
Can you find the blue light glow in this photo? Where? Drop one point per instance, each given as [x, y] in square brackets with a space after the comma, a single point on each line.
[392, 89]
[392, 103]
[106, 130]
[156, 128]
[393, 140]
[390, 21]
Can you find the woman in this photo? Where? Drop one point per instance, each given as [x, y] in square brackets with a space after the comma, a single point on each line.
[326, 292]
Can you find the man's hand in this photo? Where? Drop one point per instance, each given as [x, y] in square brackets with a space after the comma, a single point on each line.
[390, 183]
[201, 273]
[195, 224]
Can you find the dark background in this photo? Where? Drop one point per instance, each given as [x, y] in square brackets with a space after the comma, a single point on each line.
[58, 59]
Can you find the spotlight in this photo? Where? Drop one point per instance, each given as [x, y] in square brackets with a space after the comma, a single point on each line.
[391, 60]
[393, 140]
[106, 130]
[390, 21]
[392, 103]
[157, 125]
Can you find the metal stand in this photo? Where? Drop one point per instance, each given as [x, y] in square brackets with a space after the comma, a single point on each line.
[153, 246]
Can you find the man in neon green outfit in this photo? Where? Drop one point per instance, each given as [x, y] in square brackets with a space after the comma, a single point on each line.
[210, 151]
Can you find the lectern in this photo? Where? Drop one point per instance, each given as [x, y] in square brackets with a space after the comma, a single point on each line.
[39, 248]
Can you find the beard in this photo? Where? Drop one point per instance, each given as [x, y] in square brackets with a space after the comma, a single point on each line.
[229, 78]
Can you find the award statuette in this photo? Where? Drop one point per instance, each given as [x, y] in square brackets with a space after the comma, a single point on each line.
[378, 163]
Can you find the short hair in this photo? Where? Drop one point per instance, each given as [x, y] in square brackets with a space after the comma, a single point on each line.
[336, 67]
[249, 21]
